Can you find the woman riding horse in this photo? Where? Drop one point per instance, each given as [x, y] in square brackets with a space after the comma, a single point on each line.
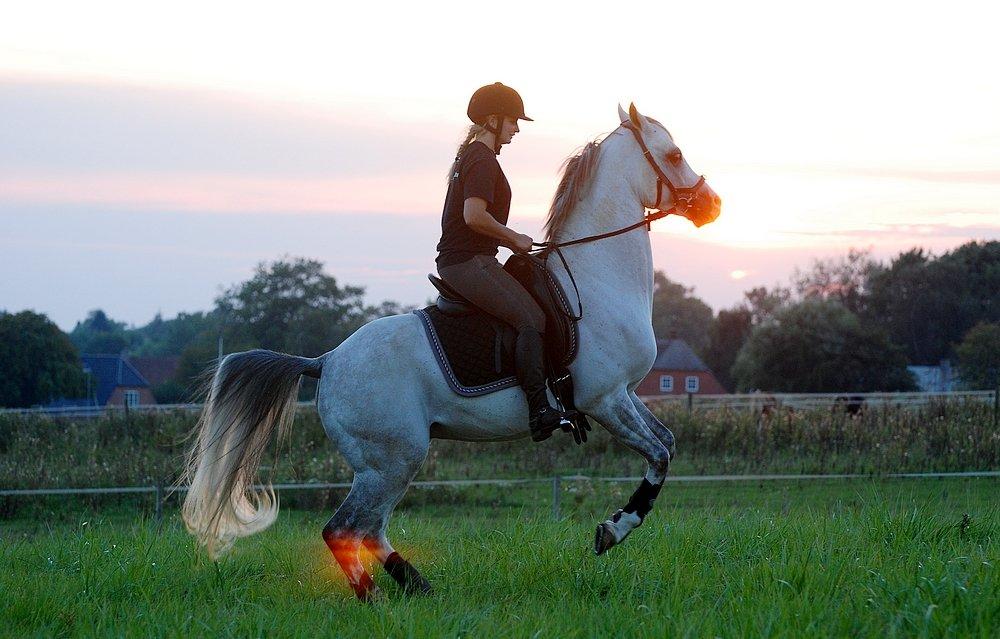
[473, 225]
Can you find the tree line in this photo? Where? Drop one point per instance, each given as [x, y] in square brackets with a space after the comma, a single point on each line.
[845, 325]
[289, 305]
[850, 324]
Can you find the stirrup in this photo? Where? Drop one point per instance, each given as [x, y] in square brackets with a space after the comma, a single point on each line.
[540, 432]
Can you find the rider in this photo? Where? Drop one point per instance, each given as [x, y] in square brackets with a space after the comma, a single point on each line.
[474, 224]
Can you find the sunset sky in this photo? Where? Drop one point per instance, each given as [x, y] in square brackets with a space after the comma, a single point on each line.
[149, 156]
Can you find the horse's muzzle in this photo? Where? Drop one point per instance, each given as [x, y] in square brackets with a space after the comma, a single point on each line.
[706, 207]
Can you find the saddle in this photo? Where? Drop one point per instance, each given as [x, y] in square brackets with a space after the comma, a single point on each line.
[475, 351]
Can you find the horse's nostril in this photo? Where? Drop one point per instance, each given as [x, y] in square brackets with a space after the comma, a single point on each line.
[717, 200]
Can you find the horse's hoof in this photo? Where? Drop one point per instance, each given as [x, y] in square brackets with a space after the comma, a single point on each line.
[604, 538]
[372, 594]
[419, 586]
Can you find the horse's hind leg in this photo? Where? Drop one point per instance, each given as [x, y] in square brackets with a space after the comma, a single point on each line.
[364, 516]
[402, 571]
[346, 530]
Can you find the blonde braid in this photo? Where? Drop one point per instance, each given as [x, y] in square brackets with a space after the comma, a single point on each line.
[474, 130]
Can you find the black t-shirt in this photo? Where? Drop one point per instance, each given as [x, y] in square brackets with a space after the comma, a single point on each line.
[478, 174]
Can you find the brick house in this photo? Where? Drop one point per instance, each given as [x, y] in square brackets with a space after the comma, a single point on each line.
[678, 371]
[113, 381]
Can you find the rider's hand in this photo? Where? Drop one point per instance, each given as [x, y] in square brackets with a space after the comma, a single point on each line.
[521, 243]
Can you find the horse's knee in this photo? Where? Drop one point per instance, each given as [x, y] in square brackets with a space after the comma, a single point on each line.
[660, 464]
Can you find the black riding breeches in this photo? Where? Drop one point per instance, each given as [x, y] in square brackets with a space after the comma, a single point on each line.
[482, 281]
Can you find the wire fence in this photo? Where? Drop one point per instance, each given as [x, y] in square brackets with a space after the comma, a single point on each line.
[160, 493]
[812, 401]
[759, 402]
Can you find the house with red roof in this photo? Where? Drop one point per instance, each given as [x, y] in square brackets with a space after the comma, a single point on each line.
[677, 370]
[114, 380]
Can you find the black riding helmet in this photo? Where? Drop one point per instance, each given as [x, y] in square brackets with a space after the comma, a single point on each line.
[495, 99]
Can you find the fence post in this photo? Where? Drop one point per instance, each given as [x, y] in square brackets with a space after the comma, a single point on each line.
[556, 496]
[159, 502]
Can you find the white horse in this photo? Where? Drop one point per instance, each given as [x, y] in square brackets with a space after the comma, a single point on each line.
[382, 397]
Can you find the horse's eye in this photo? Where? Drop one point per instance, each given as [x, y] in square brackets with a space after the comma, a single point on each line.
[676, 157]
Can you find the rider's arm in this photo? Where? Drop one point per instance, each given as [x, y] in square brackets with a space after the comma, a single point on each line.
[480, 221]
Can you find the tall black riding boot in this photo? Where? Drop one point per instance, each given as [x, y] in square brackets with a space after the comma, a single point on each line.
[529, 351]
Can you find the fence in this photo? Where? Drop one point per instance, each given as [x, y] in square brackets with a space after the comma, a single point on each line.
[747, 401]
[806, 401]
[160, 492]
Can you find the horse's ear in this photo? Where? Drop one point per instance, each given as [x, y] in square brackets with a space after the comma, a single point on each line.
[633, 114]
[622, 116]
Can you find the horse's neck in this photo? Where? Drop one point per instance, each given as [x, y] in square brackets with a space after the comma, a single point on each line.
[614, 272]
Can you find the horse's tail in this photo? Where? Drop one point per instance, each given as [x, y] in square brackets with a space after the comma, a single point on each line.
[252, 393]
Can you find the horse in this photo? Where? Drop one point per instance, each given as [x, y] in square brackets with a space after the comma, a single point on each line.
[382, 398]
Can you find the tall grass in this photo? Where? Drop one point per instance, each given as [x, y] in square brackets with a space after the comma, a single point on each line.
[145, 449]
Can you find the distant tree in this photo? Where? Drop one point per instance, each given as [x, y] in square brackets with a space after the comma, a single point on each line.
[818, 346]
[38, 362]
[291, 305]
[980, 263]
[387, 308]
[728, 333]
[100, 334]
[161, 338]
[173, 391]
[979, 357]
[844, 280]
[195, 361]
[927, 304]
[764, 303]
[676, 310]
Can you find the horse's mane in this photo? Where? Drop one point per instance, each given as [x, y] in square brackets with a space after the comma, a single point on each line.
[577, 171]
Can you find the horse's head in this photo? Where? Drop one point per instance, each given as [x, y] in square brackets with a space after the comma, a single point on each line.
[667, 180]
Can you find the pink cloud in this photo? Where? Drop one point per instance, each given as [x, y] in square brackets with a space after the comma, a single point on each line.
[408, 193]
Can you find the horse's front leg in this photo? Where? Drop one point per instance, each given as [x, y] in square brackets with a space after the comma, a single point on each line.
[623, 420]
[664, 434]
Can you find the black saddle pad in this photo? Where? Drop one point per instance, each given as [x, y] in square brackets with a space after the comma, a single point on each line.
[470, 349]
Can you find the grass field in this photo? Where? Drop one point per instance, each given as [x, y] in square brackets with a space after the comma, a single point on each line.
[904, 558]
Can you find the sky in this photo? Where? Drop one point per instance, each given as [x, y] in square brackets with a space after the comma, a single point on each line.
[152, 156]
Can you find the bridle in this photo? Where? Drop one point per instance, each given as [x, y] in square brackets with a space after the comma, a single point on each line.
[684, 194]
[684, 197]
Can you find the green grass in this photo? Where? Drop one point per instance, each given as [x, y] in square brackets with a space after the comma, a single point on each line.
[904, 558]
